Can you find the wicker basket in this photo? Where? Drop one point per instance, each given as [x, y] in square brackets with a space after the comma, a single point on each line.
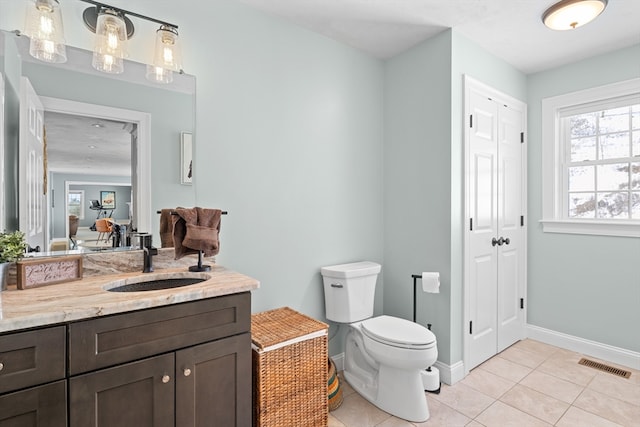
[333, 387]
[289, 369]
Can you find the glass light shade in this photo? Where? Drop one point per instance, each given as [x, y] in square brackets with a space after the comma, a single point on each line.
[159, 74]
[167, 52]
[109, 48]
[570, 14]
[44, 27]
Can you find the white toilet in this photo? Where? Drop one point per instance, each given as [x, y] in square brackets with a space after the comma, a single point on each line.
[384, 355]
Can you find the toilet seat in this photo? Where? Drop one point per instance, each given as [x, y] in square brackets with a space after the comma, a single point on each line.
[398, 332]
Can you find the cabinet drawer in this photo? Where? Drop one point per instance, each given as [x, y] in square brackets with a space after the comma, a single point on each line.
[44, 406]
[30, 358]
[121, 338]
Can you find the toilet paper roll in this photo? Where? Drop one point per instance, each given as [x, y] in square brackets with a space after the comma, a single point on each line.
[431, 282]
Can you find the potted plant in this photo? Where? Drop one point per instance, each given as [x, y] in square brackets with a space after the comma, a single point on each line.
[12, 247]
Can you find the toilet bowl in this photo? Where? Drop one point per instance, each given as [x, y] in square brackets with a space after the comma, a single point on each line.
[386, 371]
[384, 355]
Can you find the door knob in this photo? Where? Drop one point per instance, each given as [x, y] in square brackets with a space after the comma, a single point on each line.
[186, 372]
[507, 241]
[494, 242]
[166, 379]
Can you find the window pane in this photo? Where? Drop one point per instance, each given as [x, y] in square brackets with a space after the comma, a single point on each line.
[635, 118]
[635, 176]
[582, 178]
[614, 146]
[614, 120]
[636, 143]
[583, 125]
[582, 205]
[583, 149]
[635, 205]
[613, 205]
[613, 177]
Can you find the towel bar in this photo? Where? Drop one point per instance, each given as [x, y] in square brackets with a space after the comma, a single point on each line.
[175, 213]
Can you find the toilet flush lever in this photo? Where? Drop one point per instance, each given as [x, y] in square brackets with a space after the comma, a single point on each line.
[337, 285]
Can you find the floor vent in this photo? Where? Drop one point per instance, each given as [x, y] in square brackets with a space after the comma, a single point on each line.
[606, 368]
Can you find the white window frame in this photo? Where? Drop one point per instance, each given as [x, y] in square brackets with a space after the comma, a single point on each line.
[553, 218]
[82, 200]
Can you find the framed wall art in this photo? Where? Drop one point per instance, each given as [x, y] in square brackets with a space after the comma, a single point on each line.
[108, 199]
[186, 158]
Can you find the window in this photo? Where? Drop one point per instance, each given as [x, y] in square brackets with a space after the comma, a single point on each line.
[591, 161]
[75, 203]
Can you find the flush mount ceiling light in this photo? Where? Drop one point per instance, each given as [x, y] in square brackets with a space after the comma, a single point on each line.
[43, 25]
[570, 14]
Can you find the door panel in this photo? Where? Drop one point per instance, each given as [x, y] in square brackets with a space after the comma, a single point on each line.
[32, 199]
[483, 192]
[510, 281]
[213, 383]
[135, 394]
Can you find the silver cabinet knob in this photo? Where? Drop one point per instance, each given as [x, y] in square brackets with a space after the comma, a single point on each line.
[1, 366]
[186, 372]
[166, 379]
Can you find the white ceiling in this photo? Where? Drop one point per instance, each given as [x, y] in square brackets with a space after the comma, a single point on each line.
[87, 146]
[509, 29]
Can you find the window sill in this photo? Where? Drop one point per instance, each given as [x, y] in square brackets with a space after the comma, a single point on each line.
[598, 228]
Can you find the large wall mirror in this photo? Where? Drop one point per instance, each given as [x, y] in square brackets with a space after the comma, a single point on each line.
[105, 135]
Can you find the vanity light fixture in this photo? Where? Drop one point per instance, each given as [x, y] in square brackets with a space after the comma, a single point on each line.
[571, 14]
[44, 27]
[167, 56]
[113, 29]
[109, 49]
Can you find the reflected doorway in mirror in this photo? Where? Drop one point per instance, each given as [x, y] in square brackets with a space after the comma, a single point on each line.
[186, 158]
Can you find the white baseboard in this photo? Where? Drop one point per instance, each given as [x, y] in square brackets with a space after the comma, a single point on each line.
[449, 374]
[338, 359]
[601, 351]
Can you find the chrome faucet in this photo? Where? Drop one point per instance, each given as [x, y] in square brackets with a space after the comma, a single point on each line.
[148, 251]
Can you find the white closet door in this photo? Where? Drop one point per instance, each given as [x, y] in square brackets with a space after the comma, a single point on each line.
[494, 269]
[510, 259]
[483, 274]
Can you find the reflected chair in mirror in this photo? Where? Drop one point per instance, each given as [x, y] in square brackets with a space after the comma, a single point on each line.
[73, 230]
[104, 227]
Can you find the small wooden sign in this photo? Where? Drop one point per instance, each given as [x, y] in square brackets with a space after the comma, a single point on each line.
[48, 271]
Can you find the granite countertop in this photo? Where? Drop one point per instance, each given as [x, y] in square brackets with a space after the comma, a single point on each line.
[87, 298]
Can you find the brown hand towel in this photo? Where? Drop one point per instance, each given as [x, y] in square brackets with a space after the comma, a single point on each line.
[166, 228]
[196, 229]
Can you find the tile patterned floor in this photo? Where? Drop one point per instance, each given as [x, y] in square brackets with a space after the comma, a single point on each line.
[528, 384]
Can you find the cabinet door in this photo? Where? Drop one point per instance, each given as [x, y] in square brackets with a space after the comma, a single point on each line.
[213, 383]
[139, 394]
[32, 358]
[44, 406]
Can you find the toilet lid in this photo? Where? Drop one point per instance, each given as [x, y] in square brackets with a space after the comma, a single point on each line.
[398, 332]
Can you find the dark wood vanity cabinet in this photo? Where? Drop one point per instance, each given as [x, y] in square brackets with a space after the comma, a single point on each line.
[186, 364]
[33, 391]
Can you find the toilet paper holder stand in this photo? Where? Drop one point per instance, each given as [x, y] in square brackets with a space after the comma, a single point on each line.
[430, 376]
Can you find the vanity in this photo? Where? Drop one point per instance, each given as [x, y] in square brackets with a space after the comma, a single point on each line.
[80, 355]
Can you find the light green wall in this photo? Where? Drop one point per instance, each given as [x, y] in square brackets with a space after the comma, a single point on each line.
[290, 143]
[585, 286]
[424, 150]
[417, 180]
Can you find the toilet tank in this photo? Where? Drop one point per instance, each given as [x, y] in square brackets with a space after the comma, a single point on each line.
[349, 290]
